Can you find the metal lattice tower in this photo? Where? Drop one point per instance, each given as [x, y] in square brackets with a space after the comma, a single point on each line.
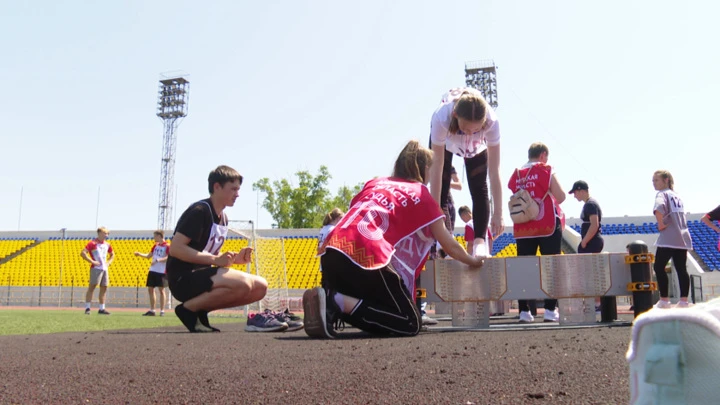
[481, 75]
[172, 108]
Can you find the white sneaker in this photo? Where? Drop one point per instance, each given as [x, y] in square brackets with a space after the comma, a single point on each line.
[526, 317]
[551, 316]
[426, 320]
[480, 250]
[662, 304]
[683, 304]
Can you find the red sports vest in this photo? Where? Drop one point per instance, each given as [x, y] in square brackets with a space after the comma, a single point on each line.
[387, 221]
[537, 183]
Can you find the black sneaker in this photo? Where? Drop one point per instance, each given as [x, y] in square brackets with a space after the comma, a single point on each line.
[103, 312]
[149, 313]
[87, 311]
[187, 317]
[204, 323]
[321, 313]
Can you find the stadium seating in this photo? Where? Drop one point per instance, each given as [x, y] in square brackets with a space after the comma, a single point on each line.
[10, 246]
[705, 240]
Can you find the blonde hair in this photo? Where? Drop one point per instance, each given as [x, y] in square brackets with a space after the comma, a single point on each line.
[412, 162]
[666, 176]
[332, 215]
[470, 106]
[103, 229]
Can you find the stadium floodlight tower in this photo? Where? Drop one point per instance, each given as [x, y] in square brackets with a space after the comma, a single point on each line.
[481, 75]
[172, 108]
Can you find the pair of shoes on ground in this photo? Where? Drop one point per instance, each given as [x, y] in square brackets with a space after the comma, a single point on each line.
[322, 313]
[662, 304]
[195, 322]
[152, 313]
[270, 321]
[548, 316]
[100, 312]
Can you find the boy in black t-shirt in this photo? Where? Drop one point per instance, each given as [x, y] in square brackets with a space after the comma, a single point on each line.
[198, 274]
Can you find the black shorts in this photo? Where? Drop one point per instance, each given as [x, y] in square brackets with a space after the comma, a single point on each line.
[156, 280]
[189, 285]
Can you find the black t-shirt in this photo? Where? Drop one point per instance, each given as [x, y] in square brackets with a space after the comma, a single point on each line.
[591, 207]
[714, 215]
[195, 223]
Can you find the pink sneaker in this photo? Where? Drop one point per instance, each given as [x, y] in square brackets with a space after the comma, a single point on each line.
[662, 304]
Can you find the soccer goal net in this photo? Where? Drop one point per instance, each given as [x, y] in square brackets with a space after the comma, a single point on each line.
[268, 262]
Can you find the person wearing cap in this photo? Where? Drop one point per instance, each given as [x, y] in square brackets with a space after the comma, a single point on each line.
[591, 217]
[590, 230]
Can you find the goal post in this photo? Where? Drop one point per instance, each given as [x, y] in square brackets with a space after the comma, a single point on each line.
[269, 261]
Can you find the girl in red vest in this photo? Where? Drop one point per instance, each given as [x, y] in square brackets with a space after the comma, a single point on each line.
[545, 232]
[370, 260]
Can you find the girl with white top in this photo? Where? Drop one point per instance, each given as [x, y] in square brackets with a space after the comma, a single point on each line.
[465, 125]
[674, 240]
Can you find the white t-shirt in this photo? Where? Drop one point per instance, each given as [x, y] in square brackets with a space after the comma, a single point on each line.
[676, 235]
[463, 145]
[324, 231]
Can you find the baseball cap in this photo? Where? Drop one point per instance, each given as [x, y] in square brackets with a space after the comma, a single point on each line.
[579, 185]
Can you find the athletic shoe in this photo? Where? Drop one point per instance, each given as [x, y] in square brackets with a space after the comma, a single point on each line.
[481, 250]
[263, 323]
[321, 313]
[187, 317]
[526, 317]
[426, 320]
[162, 313]
[103, 312]
[293, 321]
[149, 313]
[683, 304]
[661, 304]
[87, 311]
[204, 323]
[551, 316]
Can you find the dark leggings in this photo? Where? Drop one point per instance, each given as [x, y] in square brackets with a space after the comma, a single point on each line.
[679, 258]
[549, 245]
[386, 306]
[477, 169]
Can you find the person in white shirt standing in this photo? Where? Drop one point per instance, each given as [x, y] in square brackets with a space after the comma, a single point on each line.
[96, 253]
[156, 276]
[465, 125]
[674, 240]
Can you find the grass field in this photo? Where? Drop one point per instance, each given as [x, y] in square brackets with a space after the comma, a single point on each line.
[34, 321]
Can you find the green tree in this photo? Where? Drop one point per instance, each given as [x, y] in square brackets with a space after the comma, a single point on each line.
[304, 205]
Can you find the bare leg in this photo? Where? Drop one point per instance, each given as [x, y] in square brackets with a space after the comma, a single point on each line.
[151, 295]
[103, 291]
[89, 293]
[162, 298]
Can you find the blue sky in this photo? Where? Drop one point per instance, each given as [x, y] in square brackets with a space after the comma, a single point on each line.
[616, 90]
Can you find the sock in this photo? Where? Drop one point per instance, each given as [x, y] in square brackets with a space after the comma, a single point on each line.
[87, 305]
[102, 307]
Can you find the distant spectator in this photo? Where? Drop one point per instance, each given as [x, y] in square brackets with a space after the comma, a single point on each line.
[156, 278]
[591, 229]
[96, 253]
[674, 240]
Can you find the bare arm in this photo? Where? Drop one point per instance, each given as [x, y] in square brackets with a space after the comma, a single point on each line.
[455, 183]
[451, 246]
[145, 255]
[497, 225]
[706, 220]
[181, 250]
[592, 230]
[436, 171]
[556, 190]
[84, 255]
[112, 257]
[659, 217]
